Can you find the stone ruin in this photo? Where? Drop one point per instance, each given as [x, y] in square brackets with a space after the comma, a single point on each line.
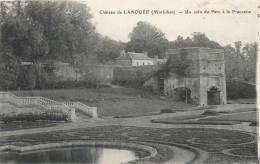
[204, 83]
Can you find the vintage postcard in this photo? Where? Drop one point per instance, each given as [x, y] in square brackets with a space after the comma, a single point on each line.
[129, 81]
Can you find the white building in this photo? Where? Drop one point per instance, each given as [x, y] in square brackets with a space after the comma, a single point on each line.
[134, 59]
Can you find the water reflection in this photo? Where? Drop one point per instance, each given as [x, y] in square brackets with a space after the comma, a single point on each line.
[73, 155]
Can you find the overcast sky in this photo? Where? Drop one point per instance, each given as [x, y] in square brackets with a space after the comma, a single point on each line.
[223, 28]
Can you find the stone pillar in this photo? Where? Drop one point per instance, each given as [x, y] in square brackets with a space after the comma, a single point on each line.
[73, 116]
[94, 112]
[224, 90]
[203, 92]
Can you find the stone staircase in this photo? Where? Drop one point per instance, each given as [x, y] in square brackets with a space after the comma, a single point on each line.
[42, 102]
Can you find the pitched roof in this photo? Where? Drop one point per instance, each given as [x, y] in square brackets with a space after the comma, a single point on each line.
[134, 56]
[124, 56]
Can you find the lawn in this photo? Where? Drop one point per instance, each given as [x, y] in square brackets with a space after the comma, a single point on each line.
[223, 119]
[243, 101]
[242, 117]
[110, 101]
[7, 108]
[206, 122]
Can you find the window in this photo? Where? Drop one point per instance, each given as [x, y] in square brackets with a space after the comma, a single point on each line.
[137, 63]
[143, 63]
[148, 63]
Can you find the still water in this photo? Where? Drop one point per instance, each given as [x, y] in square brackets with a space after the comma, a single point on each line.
[92, 155]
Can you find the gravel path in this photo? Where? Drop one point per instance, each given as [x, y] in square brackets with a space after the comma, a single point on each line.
[144, 121]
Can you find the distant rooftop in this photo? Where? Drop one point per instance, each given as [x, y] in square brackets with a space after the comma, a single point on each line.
[134, 56]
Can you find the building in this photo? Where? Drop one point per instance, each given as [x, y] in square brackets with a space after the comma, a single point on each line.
[134, 59]
[158, 61]
[204, 83]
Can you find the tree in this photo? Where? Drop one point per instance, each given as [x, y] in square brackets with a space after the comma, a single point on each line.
[198, 40]
[9, 71]
[107, 49]
[241, 61]
[146, 37]
[238, 46]
[45, 32]
[88, 68]
[67, 28]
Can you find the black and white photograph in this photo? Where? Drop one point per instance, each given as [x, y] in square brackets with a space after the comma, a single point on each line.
[129, 81]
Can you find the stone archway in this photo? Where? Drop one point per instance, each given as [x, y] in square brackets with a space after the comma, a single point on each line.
[182, 94]
[213, 96]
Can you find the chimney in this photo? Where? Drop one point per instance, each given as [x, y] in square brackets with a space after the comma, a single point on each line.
[122, 52]
[145, 53]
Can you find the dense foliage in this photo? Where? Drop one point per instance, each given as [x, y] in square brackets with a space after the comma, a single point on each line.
[146, 37]
[197, 40]
[241, 61]
[178, 65]
[46, 32]
[34, 117]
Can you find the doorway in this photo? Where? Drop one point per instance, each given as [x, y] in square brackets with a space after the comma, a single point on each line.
[213, 96]
[183, 94]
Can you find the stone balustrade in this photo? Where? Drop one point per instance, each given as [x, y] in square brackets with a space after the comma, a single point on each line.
[65, 107]
[92, 111]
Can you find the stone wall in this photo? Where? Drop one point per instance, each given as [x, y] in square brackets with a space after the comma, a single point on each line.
[192, 53]
[212, 54]
[151, 84]
[105, 72]
[135, 73]
[65, 72]
[173, 82]
[124, 62]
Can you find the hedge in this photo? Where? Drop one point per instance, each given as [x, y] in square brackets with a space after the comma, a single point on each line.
[34, 117]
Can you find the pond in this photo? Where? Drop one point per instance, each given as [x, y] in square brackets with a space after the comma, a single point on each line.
[93, 155]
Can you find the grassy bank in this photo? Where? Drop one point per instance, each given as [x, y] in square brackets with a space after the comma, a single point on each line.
[110, 101]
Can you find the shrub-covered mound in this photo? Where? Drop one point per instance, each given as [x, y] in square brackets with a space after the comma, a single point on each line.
[167, 110]
[237, 89]
[210, 113]
[34, 117]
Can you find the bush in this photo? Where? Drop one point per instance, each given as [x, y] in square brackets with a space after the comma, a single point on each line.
[34, 117]
[73, 85]
[167, 110]
[237, 90]
[210, 113]
[130, 77]
[254, 123]
[195, 122]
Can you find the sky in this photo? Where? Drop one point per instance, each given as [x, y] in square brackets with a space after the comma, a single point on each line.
[222, 28]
